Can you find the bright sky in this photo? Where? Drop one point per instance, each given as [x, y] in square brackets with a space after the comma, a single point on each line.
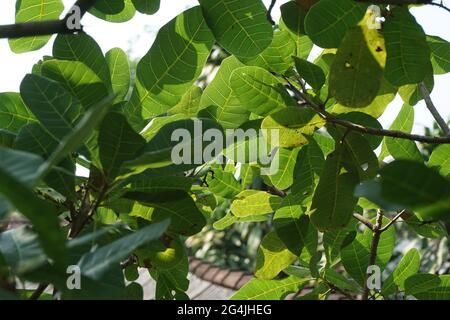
[141, 31]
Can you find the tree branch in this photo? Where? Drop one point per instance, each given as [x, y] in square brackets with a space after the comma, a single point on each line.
[440, 5]
[393, 220]
[40, 28]
[269, 12]
[430, 105]
[373, 248]
[39, 291]
[303, 99]
[363, 220]
[382, 132]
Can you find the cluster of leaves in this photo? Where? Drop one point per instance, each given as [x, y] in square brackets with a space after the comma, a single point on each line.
[136, 207]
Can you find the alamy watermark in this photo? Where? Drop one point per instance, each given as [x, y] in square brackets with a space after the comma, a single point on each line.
[73, 18]
[73, 281]
[375, 18]
[212, 145]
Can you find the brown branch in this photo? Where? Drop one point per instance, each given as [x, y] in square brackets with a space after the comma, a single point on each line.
[86, 213]
[430, 105]
[383, 132]
[393, 220]
[39, 291]
[40, 28]
[440, 5]
[363, 220]
[320, 109]
[269, 12]
[373, 248]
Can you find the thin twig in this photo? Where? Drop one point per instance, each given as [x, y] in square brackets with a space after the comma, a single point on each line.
[269, 12]
[363, 129]
[363, 220]
[39, 291]
[430, 105]
[440, 5]
[373, 249]
[393, 220]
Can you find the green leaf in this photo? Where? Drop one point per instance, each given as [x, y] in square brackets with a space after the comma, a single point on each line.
[118, 143]
[308, 169]
[339, 280]
[439, 292]
[13, 112]
[333, 202]
[327, 21]
[172, 283]
[114, 10]
[222, 183]
[421, 282]
[357, 70]
[34, 11]
[408, 266]
[162, 149]
[78, 79]
[425, 229]
[157, 123]
[134, 291]
[7, 138]
[185, 217]
[119, 70]
[291, 224]
[83, 48]
[18, 171]
[440, 54]
[20, 165]
[52, 105]
[401, 148]
[34, 138]
[272, 257]
[21, 250]
[292, 20]
[285, 160]
[311, 73]
[254, 202]
[335, 241]
[277, 56]
[292, 126]
[257, 289]
[408, 54]
[411, 94]
[172, 65]
[440, 159]
[248, 174]
[365, 120]
[95, 264]
[146, 6]
[149, 183]
[386, 94]
[240, 28]
[358, 156]
[220, 101]
[355, 256]
[189, 104]
[417, 187]
[81, 132]
[259, 91]
[226, 221]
